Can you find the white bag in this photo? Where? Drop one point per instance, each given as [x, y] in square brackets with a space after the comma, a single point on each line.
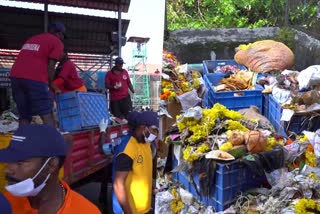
[309, 77]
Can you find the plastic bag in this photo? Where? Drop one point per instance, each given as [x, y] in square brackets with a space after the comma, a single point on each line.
[276, 176]
[189, 100]
[177, 151]
[162, 203]
[209, 210]
[281, 95]
[186, 197]
[195, 113]
[309, 77]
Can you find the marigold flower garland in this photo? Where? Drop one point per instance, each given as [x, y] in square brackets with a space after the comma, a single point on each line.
[311, 158]
[201, 129]
[307, 206]
[176, 204]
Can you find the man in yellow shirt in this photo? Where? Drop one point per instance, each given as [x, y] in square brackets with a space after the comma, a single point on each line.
[34, 156]
[132, 176]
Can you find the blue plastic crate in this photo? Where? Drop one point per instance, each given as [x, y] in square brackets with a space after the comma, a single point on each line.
[265, 101]
[234, 100]
[81, 110]
[297, 124]
[231, 179]
[274, 115]
[213, 66]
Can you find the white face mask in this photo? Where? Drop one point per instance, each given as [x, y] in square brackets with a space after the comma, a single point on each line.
[26, 187]
[151, 138]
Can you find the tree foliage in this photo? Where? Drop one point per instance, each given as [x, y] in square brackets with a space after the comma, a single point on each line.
[232, 13]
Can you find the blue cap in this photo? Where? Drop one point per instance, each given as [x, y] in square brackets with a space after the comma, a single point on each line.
[34, 141]
[146, 118]
[58, 27]
[119, 60]
[5, 205]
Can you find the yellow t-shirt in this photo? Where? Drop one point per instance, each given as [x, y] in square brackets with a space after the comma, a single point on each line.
[139, 181]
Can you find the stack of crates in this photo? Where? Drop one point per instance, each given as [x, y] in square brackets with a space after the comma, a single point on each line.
[234, 100]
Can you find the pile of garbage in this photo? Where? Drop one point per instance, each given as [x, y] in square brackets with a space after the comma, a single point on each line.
[294, 187]
[224, 133]
[295, 90]
[201, 136]
[291, 165]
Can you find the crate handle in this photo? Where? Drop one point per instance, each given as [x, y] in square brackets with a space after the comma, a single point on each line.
[238, 94]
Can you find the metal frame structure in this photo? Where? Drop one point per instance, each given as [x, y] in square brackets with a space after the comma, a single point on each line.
[140, 79]
[88, 65]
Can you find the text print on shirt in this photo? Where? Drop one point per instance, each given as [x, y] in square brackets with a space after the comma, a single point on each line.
[31, 47]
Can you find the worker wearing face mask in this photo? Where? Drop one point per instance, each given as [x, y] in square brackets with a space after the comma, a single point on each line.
[34, 157]
[133, 166]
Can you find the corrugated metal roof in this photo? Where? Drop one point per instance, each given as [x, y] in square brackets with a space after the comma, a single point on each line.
[112, 5]
[86, 34]
[84, 61]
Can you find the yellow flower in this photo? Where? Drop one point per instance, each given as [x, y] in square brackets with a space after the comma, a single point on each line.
[196, 83]
[303, 138]
[306, 204]
[174, 192]
[172, 95]
[272, 142]
[226, 147]
[203, 148]
[235, 125]
[311, 159]
[191, 154]
[313, 176]
[176, 204]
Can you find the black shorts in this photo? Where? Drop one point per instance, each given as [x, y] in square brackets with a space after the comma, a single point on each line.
[121, 108]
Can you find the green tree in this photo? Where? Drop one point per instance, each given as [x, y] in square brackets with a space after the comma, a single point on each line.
[232, 13]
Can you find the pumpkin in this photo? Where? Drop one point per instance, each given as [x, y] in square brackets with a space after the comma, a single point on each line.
[265, 56]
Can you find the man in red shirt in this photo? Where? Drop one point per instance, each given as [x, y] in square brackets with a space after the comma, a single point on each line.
[33, 72]
[118, 82]
[66, 77]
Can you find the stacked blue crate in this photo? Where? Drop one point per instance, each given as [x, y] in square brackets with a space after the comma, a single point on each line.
[297, 124]
[234, 100]
[231, 179]
[81, 110]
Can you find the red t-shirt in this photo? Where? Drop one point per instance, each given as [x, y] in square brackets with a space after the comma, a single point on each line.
[33, 59]
[69, 74]
[112, 78]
